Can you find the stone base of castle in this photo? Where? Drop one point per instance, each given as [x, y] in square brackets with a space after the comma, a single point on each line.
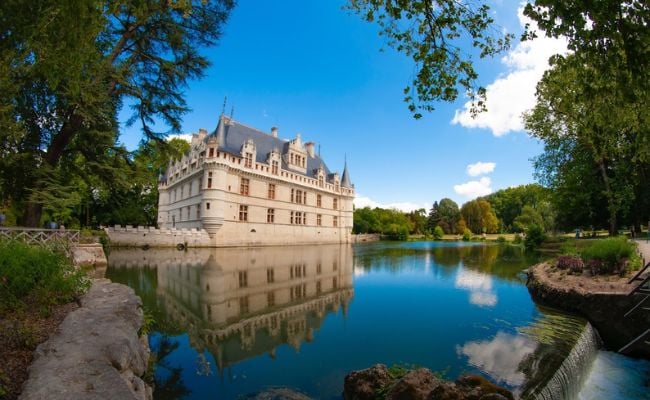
[229, 235]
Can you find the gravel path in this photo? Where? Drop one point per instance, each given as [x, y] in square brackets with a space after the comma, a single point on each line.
[644, 248]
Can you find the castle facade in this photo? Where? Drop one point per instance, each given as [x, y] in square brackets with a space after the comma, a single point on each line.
[247, 187]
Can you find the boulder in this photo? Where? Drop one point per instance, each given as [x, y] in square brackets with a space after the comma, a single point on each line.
[366, 383]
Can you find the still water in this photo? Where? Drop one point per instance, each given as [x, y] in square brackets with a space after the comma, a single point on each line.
[231, 322]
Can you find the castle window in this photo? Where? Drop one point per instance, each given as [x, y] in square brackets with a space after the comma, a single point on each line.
[335, 222]
[298, 196]
[304, 197]
[298, 218]
[320, 181]
[243, 305]
[291, 220]
[292, 159]
[243, 188]
[248, 160]
[243, 279]
[292, 194]
[274, 167]
[319, 268]
[271, 191]
[318, 287]
[243, 213]
[270, 215]
[211, 152]
[319, 219]
[209, 180]
[270, 299]
[335, 204]
[319, 200]
[207, 206]
[270, 275]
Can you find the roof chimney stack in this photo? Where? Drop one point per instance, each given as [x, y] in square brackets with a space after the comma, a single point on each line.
[309, 146]
[274, 132]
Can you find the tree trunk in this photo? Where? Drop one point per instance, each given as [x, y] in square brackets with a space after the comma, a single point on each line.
[610, 199]
[33, 217]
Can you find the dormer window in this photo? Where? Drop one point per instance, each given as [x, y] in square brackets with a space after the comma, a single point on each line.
[248, 160]
[274, 167]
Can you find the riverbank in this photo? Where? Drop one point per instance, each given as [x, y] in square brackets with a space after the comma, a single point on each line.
[603, 300]
[96, 352]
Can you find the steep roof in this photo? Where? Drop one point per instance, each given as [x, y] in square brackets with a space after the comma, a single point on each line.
[231, 136]
[345, 180]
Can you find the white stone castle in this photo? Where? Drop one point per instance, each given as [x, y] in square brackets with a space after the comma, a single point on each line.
[247, 187]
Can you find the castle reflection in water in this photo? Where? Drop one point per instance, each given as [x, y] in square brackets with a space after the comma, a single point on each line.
[239, 303]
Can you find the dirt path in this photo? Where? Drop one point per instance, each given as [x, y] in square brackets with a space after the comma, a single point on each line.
[644, 248]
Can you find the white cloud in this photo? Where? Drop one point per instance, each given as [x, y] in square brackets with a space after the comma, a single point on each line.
[509, 96]
[480, 168]
[479, 286]
[362, 201]
[183, 136]
[473, 189]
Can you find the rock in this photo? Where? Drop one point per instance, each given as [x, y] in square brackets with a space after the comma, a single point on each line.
[415, 385]
[278, 394]
[420, 384]
[96, 353]
[364, 384]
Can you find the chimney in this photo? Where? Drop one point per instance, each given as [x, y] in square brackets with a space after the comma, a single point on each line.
[202, 133]
[274, 132]
[309, 146]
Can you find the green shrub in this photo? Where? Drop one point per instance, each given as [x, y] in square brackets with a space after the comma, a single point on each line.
[518, 239]
[467, 235]
[609, 256]
[534, 237]
[501, 239]
[438, 233]
[45, 275]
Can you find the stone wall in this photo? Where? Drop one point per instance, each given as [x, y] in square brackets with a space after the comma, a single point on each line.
[605, 307]
[148, 236]
[96, 353]
[366, 237]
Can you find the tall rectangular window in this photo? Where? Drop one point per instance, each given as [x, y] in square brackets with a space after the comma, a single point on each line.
[335, 222]
[304, 197]
[291, 220]
[292, 194]
[271, 191]
[243, 305]
[335, 204]
[207, 206]
[209, 180]
[319, 219]
[243, 279]
[319, 200]
[270, 275]
[243, 213]
[270, 215]
[299, 196]
[211, 152]
[320, 181]
[248, 160]
[274, 167]
[270, 299]
[244, 186]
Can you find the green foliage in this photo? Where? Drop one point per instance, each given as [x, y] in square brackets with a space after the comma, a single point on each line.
[501, 239]
[518, 239]
[438, 233]
[433, 34]
[534, 237]
[43, 274]
[529, 216]
[467, 235]
[479, 216]
[508, 204]
[592, 113]
[59, 108]
[393, 224]
[444, 214]
[609, 254]
[148, 321]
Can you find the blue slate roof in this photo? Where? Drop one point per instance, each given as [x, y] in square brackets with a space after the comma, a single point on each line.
[236, 134]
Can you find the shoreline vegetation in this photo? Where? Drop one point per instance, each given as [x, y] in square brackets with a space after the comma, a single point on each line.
[39, 286]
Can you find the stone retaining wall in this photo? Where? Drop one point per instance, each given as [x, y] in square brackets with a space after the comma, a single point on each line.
[148, 236]
[96, 353]
[366, 237]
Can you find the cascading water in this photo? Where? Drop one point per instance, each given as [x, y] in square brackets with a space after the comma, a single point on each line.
[567, 381]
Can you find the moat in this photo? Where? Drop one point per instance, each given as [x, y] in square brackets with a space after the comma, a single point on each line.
[231, 322]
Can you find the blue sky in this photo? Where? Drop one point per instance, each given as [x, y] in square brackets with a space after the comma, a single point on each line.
[310, 67]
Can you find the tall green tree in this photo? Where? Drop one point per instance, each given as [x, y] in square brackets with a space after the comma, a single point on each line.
[437, 36]
[479, 216]
[70, 66]
[592, 112]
